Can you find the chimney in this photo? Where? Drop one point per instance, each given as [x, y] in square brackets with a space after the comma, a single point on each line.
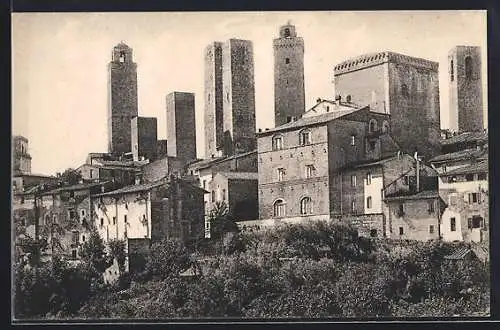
[338, 98]
[348, 98]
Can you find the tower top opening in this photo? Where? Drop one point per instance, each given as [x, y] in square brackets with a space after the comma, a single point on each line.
[288, 31]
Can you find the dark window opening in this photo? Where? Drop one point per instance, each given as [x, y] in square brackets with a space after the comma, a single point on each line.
[431, 229]
[125, 218]
[114, 220]
[469, 177]
[401, 210]
[287, 32]
[102, 222]
[287, 60]
[73, 254]
[373, 233]
[475, 222]
[431, 207]
[404, 90]
[468, 67]
[122, 57]
[401, 231]
[481, 176]
[453, 224]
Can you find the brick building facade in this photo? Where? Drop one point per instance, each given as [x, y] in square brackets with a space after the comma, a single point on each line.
[298, 161]
[405, 87]
[122, 98]
[289, 93]
[181, 125]
[465, 84]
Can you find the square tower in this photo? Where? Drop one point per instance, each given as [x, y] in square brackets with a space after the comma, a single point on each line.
[238, 97]
[466, 94]
[22, 159]
[213, 99]
[405, 87]
[289, 98]
[181, 125]
[144, 137]
[122, 98]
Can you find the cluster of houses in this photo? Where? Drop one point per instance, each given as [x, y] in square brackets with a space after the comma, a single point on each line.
[371, 157]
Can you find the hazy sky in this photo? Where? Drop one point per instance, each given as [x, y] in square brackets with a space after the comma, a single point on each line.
[60, 64]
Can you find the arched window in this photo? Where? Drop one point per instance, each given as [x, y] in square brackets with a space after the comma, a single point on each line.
[404, 90]
[468, 67]
[287, 32]
[279, 208]
[306, 206]
[452, 71]
[305, 137]
[373, 125]
[122, 57]
[277, 142]
[385, 126]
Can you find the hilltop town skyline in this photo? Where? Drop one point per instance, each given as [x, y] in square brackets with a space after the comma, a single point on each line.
[77, 112]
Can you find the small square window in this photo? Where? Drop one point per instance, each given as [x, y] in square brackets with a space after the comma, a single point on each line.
[373, 233]
[287, 60]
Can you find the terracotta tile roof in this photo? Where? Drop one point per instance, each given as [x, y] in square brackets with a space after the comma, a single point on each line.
[480, 167]
[466, 137]
[133, 188]
[241, 175]
[75, 187]
[457, 155]
[314, 120]
[425, 194]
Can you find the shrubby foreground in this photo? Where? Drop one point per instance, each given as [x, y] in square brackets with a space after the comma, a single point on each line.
[316, 271]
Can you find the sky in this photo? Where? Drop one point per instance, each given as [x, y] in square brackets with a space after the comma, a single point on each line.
[59, 64]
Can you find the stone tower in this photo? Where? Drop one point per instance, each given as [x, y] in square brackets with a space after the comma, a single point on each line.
[122, 98]
[289, 99]
[181, 125]
[22, 159]
[144, 134]
[403, 86]
[466, 95]
[213, 100]
[238, 97]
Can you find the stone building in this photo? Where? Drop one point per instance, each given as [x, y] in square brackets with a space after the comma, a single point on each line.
[238, 96]
[181, 125]
[465, 190]
[122, 98]
[120, 173]
[298, 161]
[465, 84]
[21, 156]
[289, 94]
[163, 168]
[461, 150]
[66, 217]
[144, 132]
[405, 87]
[364, 193]
[214, 126]
[144, 213]
[204, 171]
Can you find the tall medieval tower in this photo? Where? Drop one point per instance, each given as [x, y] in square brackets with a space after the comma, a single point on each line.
[289, 99]
[238, 104]
[466, 95]
[122, 98]
[213, 99]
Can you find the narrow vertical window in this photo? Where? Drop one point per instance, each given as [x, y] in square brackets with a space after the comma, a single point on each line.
[353, 140]
[223, 194]
[279, 208]
[468, 67]
[431, 229]
[401, 231]
[369, 202]
[453, 224]
[353, 180]
[277, 142]
[287, 60]
[281, 174]
[452, 71]
[368, 178]
[309, 171]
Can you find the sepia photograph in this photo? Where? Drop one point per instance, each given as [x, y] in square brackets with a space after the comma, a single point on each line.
[272, 165]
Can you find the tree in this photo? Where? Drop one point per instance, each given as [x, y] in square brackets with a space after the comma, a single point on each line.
[69, 176]
[93, 252]
[220, 221]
